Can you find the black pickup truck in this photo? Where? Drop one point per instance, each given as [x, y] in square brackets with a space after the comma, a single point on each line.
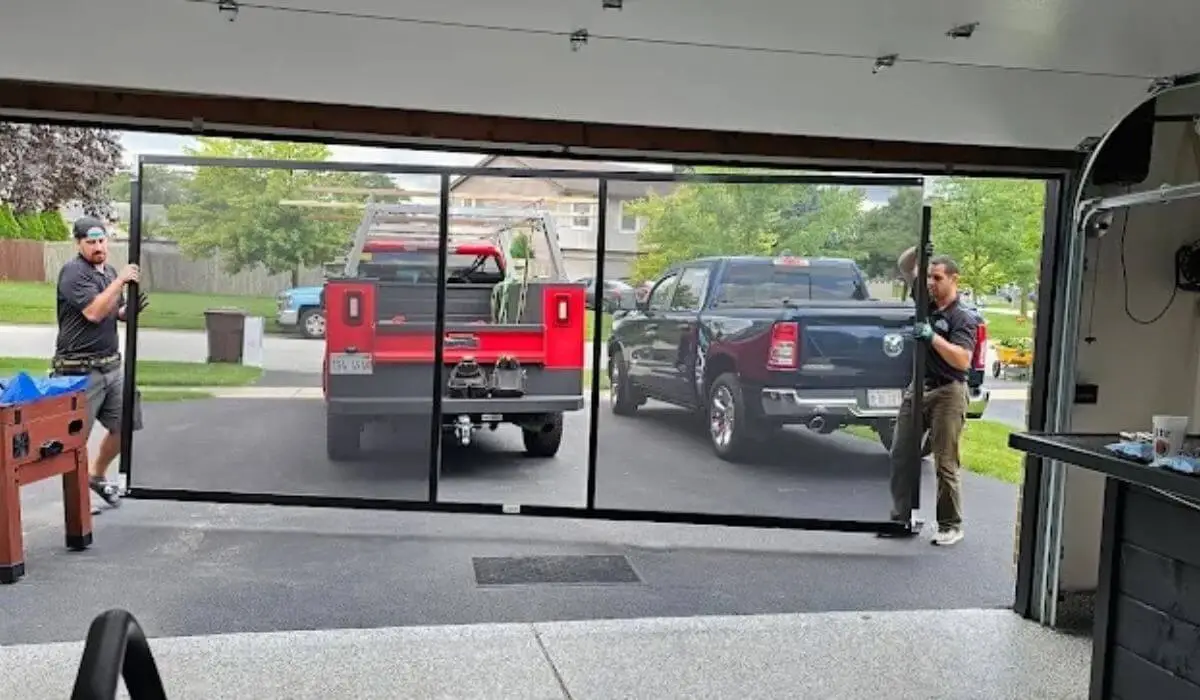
[757, 343]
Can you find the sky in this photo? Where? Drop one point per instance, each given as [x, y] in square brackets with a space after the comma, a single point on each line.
[144, 143]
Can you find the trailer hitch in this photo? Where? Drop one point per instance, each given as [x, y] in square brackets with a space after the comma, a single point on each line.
[463, 428]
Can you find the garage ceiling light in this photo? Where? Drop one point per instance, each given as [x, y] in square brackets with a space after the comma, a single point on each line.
[962, 31]
[579, 37]
[884, 62]
[612, 4]
[228, 9]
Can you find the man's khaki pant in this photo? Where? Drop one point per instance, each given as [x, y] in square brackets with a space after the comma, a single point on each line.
[945, 410]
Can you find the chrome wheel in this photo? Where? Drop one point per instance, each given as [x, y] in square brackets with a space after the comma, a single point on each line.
[721, 416]
[314, 325]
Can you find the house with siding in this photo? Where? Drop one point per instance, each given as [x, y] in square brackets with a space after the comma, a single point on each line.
[575, 203]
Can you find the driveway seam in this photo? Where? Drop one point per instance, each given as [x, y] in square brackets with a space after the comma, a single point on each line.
[562, 684]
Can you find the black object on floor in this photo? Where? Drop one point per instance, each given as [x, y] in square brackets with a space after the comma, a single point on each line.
[577, 569]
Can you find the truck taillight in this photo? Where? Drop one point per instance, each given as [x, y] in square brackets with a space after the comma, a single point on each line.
[354, 304]
[562, 309]
[784, 352]
[979, 359]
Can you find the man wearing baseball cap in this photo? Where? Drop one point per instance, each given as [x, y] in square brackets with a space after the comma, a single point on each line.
[91, 300]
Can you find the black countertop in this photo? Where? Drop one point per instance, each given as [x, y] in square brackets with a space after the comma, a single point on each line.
[1087, 450]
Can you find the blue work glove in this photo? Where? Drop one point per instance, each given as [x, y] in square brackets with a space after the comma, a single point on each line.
[922, 331]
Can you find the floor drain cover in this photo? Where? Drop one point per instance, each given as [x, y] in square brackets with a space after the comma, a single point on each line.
[594, 569]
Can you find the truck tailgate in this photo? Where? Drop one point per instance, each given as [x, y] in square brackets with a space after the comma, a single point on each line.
[861, 346]
[486, 343]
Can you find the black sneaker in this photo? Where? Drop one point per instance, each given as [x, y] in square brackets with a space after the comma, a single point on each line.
[109, 492]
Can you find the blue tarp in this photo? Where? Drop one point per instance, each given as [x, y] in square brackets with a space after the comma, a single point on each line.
[22, 388]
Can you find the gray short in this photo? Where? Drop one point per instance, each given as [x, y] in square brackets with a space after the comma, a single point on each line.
[106, 396]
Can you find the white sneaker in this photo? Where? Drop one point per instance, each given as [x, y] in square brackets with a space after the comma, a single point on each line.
[948, 536]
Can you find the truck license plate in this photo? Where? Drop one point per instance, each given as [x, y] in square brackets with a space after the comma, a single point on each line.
[884, 398]
[350, 363]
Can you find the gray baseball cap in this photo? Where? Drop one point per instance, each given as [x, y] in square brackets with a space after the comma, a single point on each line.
[89, 227]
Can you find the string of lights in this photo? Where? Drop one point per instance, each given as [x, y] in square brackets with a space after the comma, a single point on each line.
[580, 37]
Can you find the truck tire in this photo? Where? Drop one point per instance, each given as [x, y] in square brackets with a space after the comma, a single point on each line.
[312, 324]
[732, 429]
[622, 397]
[544, 442]
[343, 437]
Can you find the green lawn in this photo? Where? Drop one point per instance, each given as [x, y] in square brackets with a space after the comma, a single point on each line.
[173, 395]
[984, 449]
[154, 373]
[34, 303]
[1001, 326]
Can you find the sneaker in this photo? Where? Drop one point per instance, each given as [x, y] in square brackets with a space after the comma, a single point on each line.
[947, 536]
[105, 490]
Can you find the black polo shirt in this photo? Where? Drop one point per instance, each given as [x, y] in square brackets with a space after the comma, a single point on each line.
[958, 326]
[80, 282]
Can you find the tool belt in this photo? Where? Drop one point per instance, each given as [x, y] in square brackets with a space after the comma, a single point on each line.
[85, 365]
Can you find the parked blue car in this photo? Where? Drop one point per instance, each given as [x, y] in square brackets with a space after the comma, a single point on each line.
[299, 310]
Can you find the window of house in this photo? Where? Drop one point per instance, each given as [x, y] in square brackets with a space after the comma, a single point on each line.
[629, 221]
[582, 215]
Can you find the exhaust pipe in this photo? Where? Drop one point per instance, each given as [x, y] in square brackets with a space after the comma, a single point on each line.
[816, 423]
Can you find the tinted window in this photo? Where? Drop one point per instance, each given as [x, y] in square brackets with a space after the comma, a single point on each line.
[421, 266]
[661, 296]
[690, 291]
[765, 284]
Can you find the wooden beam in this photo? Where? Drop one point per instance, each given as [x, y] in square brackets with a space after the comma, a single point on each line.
[242, 116]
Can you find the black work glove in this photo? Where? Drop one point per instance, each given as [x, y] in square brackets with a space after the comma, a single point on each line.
[143, 301]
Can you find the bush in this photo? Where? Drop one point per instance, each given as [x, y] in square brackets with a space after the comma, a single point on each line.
[9, 228]
[31, 227]
[54, 227]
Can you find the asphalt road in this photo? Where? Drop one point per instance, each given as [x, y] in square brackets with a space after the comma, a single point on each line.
[658, 460]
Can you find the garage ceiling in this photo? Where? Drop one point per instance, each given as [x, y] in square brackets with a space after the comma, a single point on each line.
[1036, 73]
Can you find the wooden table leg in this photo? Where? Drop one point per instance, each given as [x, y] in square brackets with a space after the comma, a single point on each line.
[77, 504]
[12, 544]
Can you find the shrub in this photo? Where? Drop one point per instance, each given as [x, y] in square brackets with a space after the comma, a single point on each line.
[8, 223]
[54, 227]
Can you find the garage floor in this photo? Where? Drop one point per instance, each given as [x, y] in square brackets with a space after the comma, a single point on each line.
[189, 569]
[957, 654]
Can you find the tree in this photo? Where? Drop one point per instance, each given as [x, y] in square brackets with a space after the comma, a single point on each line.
[699, 219]
[992, 228]
[889, 230]
[243, 215]
[161, 185]
[44, 167]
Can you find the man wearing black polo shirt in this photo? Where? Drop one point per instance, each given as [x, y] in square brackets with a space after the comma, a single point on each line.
[950, 337]
[91, 300]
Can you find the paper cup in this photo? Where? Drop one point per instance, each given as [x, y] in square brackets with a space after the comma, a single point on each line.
[1169, 432]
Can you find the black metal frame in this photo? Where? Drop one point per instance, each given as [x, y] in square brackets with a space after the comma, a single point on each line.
[117, 648]
[432, 503]
[1060, 192]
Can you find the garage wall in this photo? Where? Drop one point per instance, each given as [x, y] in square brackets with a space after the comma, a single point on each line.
[1026, 80]
[1140, 369]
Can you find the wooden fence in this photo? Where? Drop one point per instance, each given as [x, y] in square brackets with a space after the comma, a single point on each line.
[166, 269]
[21, 261]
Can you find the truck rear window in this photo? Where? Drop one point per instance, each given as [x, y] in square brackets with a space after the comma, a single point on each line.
[421, 266]
[765, 285]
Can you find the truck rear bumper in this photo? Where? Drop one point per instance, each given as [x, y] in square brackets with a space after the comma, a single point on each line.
[528, 404]
[846, 404]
